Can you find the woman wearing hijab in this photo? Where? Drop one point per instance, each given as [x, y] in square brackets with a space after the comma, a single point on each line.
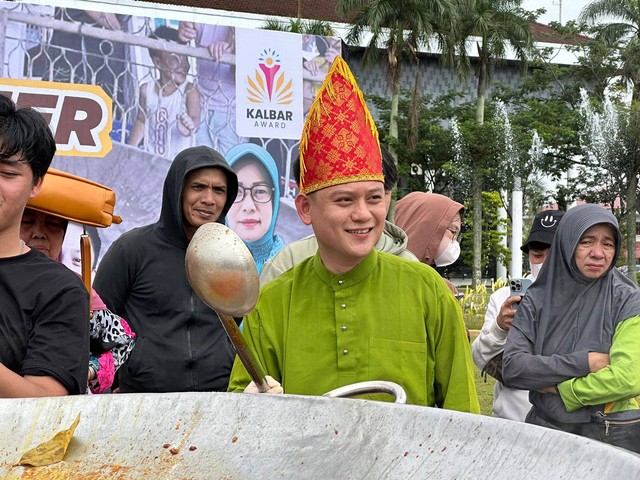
[254, 212]
[111, 338]
[575, 341]
[432, 223]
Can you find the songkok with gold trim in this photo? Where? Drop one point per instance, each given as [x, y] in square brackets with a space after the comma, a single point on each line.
[339, 141]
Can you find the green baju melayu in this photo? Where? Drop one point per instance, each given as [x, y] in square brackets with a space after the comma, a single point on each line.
[386, 319]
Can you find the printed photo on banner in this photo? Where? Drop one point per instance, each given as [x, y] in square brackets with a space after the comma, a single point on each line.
[125, 93]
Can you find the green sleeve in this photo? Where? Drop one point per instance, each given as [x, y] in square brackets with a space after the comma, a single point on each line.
[619, 381]
[455, 386]
[253, 336]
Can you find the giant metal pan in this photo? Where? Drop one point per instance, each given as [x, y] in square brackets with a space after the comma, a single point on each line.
[242, 436]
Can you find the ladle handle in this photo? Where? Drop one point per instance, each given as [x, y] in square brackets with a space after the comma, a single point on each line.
[246, 357]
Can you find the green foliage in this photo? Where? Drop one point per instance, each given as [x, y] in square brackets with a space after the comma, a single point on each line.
[297, 25]
[495, 27]
[475, 301]
[425, 167]
[395, 27]
[493, 231]
[617, 25]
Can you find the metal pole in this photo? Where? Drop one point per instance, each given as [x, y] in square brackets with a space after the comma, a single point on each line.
[516, 229]
[501, 267]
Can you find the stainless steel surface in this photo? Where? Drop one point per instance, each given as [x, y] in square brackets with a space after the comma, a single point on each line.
[375, 386]
[242, 436]
[222, 271]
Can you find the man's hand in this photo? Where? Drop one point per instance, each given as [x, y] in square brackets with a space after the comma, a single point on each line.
[597, 361]
[273, 384]
[185, 124]
[507, 312]
[311, 66]
[217, 49]
[187, 31]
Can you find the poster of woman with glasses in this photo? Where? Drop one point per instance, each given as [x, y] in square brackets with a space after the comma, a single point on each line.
[254, 213]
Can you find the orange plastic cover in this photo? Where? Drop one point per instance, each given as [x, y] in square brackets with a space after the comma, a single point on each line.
[76, 199]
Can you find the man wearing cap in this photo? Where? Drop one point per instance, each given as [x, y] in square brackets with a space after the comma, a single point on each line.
[44, 332]
[508, 402]
[351, 313]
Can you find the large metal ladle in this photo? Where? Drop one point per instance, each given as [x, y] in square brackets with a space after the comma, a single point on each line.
[222, 272]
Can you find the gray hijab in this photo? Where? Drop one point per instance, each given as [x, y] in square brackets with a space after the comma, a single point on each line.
[564, 311]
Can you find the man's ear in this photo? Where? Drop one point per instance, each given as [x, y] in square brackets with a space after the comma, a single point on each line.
[35, 190]
[303, 206]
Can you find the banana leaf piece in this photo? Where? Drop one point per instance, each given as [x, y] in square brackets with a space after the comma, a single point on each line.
[52, 451]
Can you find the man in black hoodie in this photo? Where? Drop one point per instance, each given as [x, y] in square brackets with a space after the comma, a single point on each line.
[181, 345]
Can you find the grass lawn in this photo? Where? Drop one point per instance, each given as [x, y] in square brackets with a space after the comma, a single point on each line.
[485, 390]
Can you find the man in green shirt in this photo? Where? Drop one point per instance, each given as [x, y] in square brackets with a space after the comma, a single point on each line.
[351, 313]
[393, 239]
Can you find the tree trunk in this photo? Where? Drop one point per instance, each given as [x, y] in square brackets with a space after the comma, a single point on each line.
[476, 273]
[393, 128]
[631, 227]
[482, 87]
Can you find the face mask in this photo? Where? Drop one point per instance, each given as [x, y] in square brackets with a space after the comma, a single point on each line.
[448, 255]
[535, 269]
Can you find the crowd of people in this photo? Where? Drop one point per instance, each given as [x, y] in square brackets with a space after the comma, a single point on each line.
[358, 300]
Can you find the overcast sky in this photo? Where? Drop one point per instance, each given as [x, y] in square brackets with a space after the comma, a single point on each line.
[570, 9]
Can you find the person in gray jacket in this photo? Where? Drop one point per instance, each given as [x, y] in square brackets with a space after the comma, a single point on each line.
[181, 345]
[393, 239]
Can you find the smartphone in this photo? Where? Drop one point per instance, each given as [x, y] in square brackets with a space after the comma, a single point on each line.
[519, 286]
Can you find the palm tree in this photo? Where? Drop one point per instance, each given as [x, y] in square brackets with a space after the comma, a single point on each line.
[297, 25]
[495, 26]
[623, 34]
[400, 27]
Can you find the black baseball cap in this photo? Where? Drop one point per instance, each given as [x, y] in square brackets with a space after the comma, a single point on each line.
[543, 229]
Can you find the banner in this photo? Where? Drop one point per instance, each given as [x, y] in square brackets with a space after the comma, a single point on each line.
[125, 93]
[79, 115]
[269, 89]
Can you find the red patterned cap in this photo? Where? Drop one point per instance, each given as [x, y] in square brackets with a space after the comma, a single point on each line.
[339, 141]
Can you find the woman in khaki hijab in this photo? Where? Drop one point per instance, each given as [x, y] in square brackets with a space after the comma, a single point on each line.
[432, 223]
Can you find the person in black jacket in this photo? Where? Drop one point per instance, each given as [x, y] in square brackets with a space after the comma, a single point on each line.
[181, 345]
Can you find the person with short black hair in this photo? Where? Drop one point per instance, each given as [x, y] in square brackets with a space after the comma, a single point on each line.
[44, 333]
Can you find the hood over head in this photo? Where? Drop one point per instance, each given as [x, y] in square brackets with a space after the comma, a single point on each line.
[171, 224]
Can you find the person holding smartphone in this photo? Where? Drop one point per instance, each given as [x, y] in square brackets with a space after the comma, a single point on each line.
[575, 342]
[508, 402]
